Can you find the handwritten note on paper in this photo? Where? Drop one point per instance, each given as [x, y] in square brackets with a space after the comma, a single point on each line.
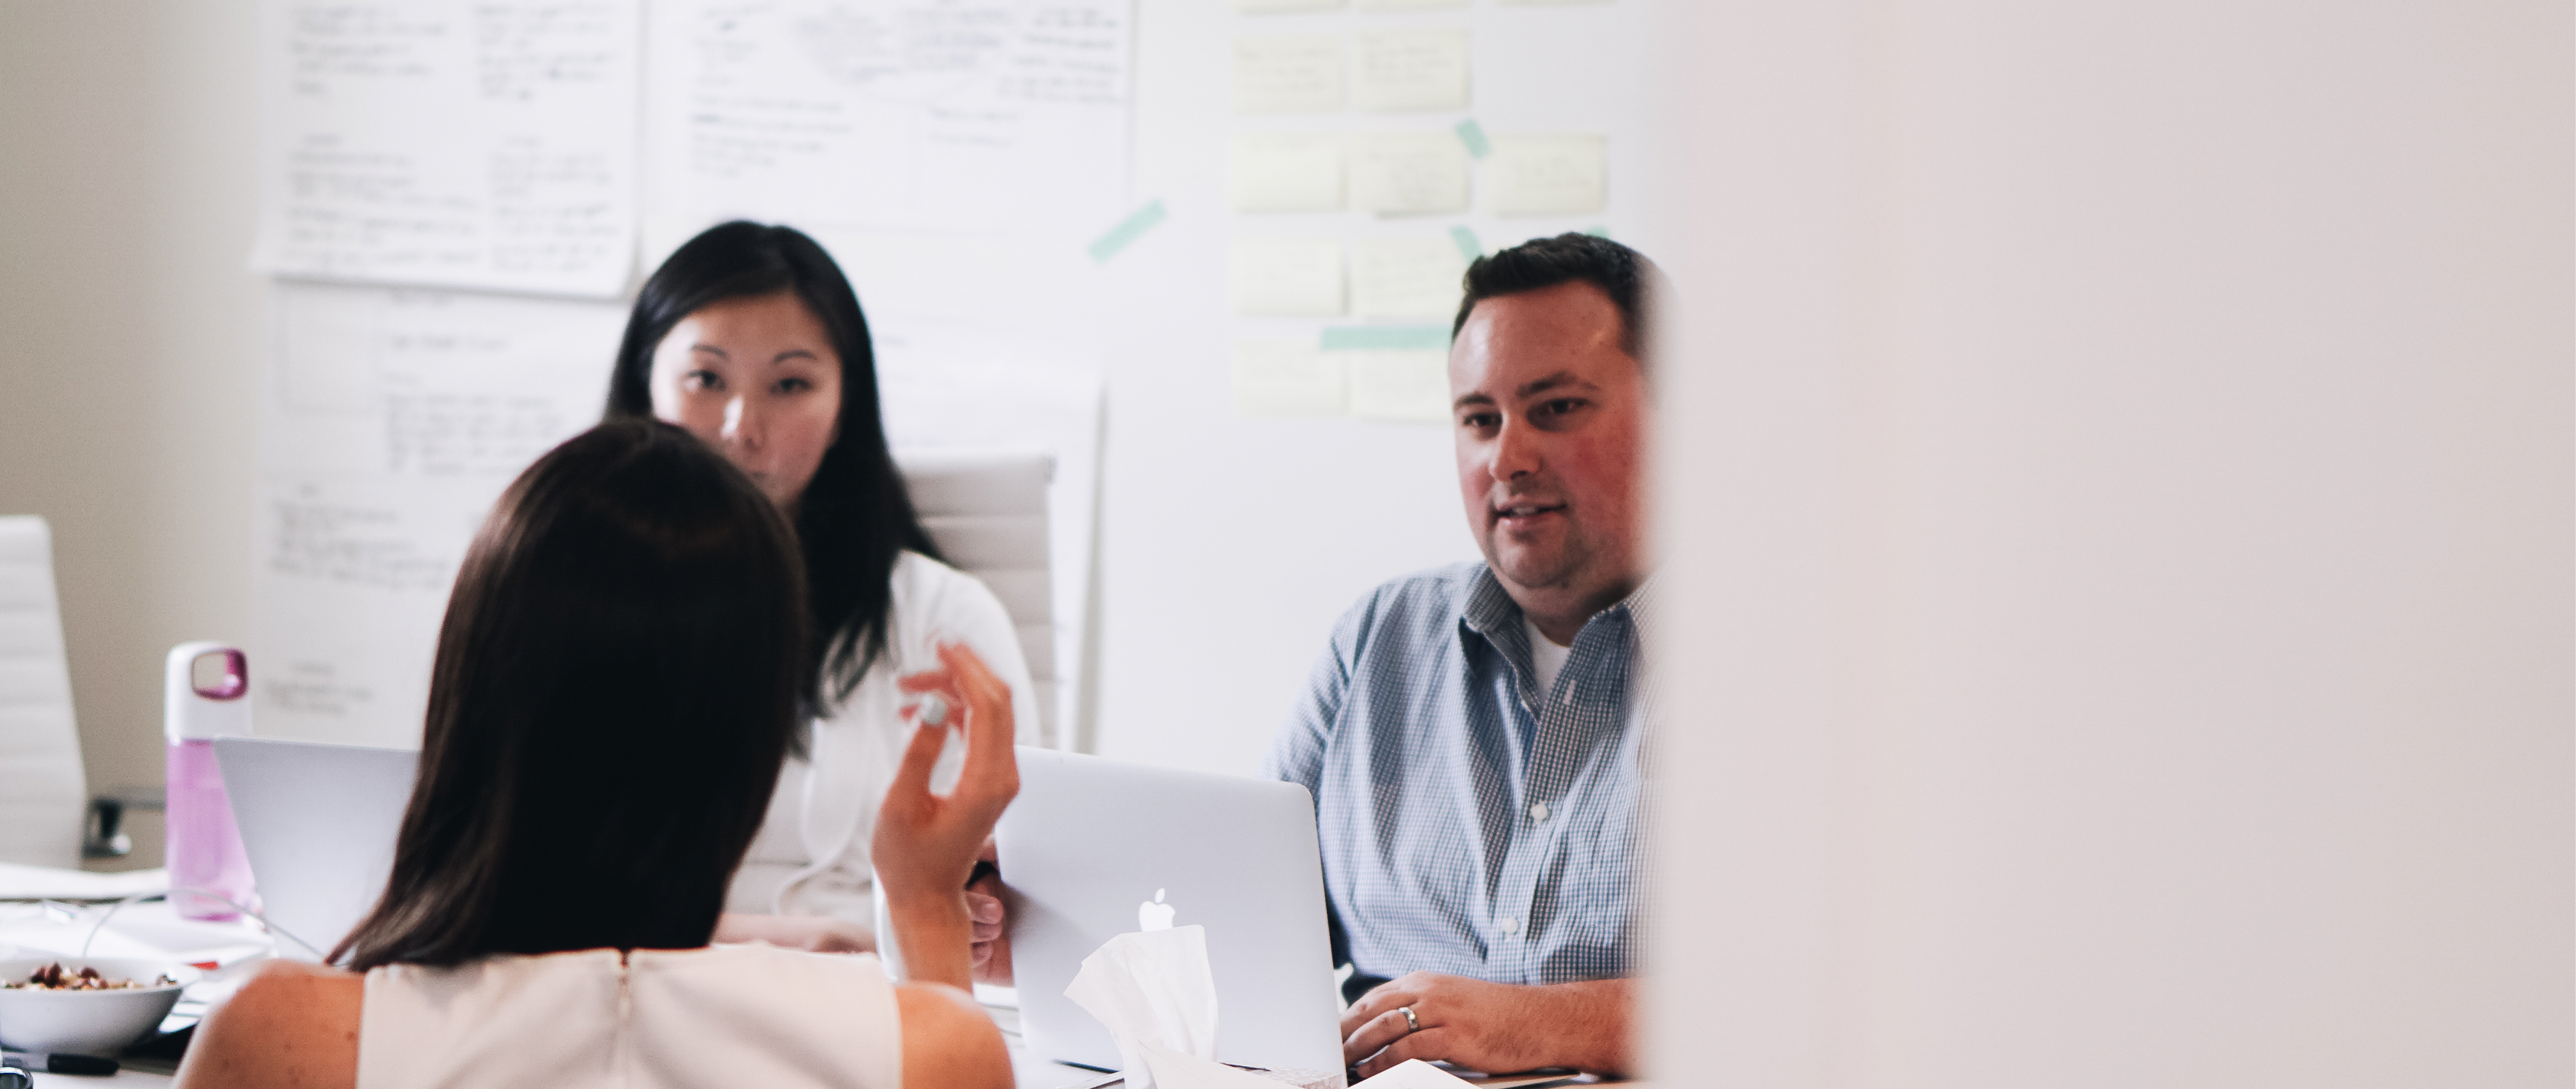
[1408, 174]
[1287, 277]
[1399, 386]
[1286, 378]
[1406, 277]
[509, 162]
[1546, 175]
[1408, 70]
[1287, 174]
[1297, 73]
[964, 115]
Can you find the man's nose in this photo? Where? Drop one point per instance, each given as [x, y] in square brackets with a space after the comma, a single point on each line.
[1516, 451]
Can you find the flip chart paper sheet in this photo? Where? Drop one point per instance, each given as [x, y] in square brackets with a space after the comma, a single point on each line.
[1399, 386]
[1287, 277]
[484, 145]
[1397, 174]
[981, 116]
[1406, 277]
[1546, 175]
[1286, 378]
[1287, 174]
[1288, 73]
[1409, 70]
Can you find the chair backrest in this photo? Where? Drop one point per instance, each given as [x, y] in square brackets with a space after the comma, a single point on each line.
[42, 789]
[987, 512]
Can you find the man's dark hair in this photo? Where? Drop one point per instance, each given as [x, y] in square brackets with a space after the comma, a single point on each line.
[1621, 273]
[620, 673]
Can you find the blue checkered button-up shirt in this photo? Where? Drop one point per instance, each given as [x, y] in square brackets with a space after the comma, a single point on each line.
[1472, 824]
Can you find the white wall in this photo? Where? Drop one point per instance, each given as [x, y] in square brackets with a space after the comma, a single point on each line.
[130, 338]
[2126, 528]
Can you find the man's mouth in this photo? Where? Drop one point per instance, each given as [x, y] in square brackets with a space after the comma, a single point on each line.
[1524, 513]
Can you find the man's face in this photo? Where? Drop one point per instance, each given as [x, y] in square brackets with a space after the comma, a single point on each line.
[1550, 412]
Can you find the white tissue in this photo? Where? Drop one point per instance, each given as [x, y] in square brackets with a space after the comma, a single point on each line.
[1169, 1070]
[1416, 1074]
[1154, 990]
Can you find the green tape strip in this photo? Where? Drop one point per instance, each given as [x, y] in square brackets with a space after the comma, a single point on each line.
[1473, 135]
[1386, 338]
[1128, 229]
[1597, 232]
[1468, 246]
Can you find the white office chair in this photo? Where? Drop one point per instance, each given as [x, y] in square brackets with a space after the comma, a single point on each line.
[987, 512]
[43, 793]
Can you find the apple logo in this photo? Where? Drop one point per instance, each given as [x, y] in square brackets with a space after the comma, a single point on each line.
[1156, 915]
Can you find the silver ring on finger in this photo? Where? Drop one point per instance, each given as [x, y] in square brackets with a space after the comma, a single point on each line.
[1412, 1024]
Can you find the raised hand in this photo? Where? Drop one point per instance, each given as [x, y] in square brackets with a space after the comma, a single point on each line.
[925, 845]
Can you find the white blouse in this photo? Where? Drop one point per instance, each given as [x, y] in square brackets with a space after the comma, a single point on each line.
[811, 856]
[723, 1015]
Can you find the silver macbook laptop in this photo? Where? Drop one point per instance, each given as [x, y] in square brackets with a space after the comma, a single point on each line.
[318, 824]
[1091, 847]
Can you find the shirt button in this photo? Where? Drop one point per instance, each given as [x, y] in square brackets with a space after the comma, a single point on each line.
[1511, 925]
[1538, 811]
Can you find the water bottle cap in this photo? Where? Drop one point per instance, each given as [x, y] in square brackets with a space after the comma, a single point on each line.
[207, 692]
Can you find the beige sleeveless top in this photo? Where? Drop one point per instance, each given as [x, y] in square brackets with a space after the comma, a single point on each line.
[726, 1015]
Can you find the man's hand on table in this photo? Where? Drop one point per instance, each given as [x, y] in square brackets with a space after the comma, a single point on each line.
[991, 948]
[1493, 1027]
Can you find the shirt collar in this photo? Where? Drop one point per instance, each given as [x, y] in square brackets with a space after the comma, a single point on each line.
[1491, 612]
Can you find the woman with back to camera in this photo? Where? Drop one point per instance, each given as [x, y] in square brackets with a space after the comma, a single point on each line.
[617, 681]
[750, 337]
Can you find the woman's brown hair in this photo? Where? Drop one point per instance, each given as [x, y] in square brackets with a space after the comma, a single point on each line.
[616, 684]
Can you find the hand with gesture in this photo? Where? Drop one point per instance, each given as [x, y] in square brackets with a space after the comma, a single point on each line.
[925, 845]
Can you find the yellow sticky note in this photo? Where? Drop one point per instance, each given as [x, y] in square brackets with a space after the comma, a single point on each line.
[1399, 386]
[1287, 277]
[1408, 174]
[1546, 175]
[1289, 73]
[1406, 277]
[1287, 174]
[1404, 70]
[1287, 378]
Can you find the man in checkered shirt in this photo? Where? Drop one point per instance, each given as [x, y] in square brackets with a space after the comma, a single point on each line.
[1472, 736]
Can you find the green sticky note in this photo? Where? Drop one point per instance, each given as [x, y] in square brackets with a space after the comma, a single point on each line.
[1468, 247]
[1127, 231]
[1473, 135]
[1386, 338]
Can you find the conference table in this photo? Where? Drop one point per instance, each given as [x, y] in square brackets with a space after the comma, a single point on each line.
[152, 930]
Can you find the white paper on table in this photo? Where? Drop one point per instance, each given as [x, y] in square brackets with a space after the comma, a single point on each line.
[1406, 277]
[1287, 174]
[1409, 70]
[1399, 386]
[1287, 378]
[1286, 277]
[485, 144]
[1408, 174]
[1289, 73]
[1546, 175]
[995, 116]
[19, 882]
[1151, 988]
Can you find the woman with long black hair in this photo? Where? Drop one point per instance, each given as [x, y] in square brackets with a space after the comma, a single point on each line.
[618, 678]
[750, 337]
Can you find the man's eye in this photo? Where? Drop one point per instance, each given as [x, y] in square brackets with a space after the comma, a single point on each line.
[1560, 406]
[1480, 421]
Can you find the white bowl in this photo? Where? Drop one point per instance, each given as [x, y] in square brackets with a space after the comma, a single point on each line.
[86, 1022]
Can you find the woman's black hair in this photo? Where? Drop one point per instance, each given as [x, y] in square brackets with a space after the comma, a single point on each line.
[855, 518]
[617, 682]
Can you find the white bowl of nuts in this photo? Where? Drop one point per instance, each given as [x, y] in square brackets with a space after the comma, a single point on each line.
[85, 1005]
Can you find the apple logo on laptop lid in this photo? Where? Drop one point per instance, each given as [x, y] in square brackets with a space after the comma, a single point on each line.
[1155, 915]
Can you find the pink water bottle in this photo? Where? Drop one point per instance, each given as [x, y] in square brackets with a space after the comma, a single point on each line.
[207, 695]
